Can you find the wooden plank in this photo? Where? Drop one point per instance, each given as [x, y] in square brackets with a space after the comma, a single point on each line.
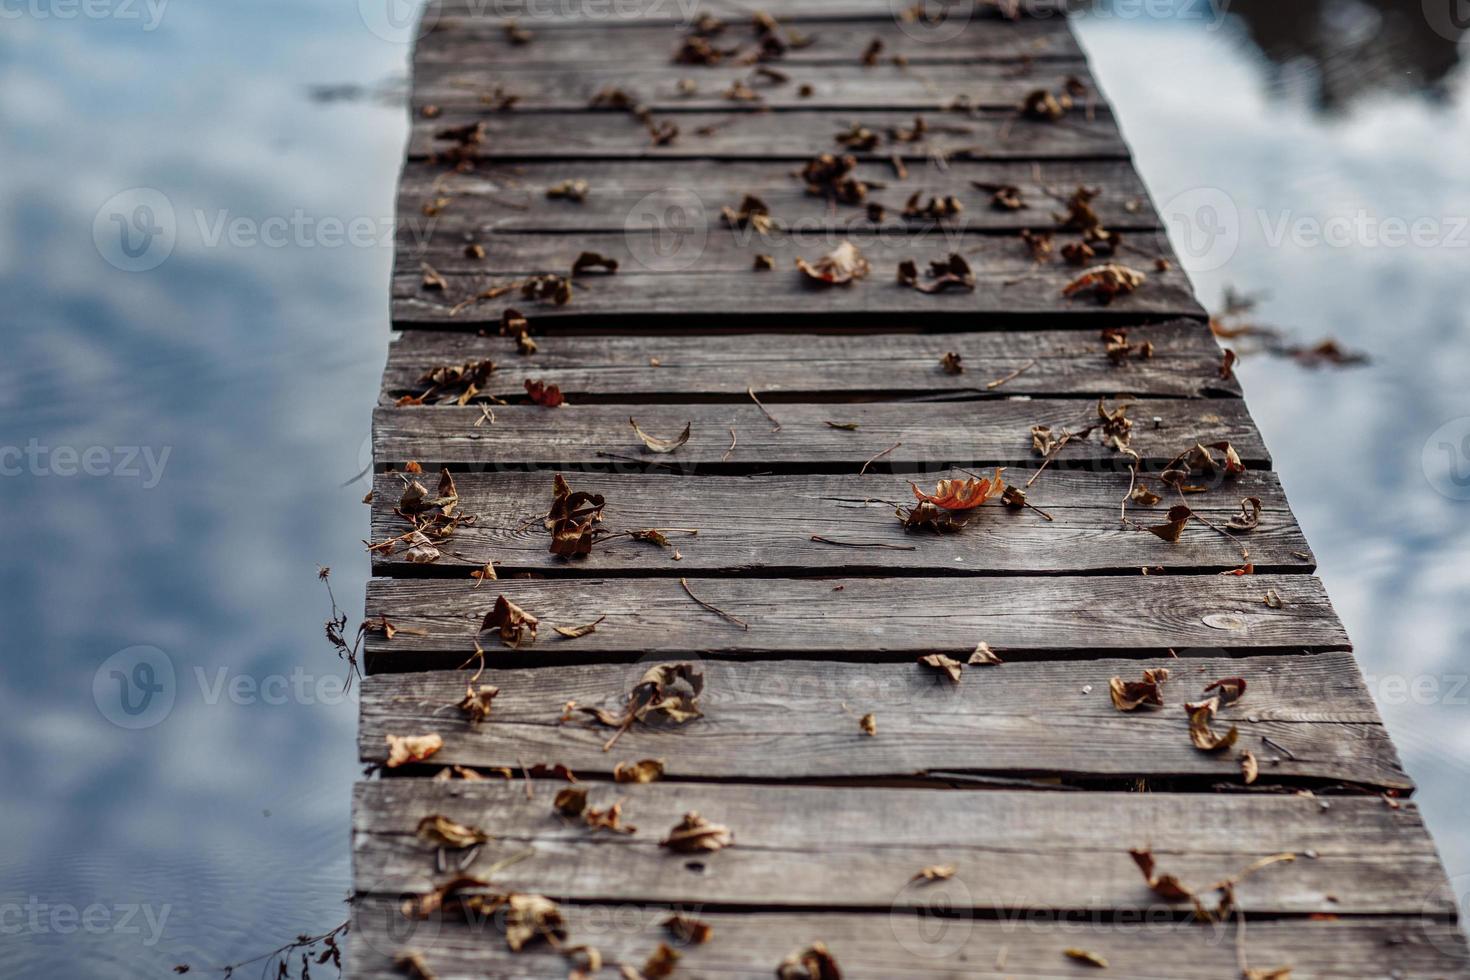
[1185, 363]
[772, 720]
[848, 848]
[991, 433]
[765, 526]
[676, 88]
[693, 272]
[512, 196]
[867, 619]
[745, 134]
[623, 13]
[462, 41]
[927, 944]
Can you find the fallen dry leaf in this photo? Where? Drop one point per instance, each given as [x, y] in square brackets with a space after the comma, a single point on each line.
[695, 834]
[951, 273]
[1083, 956]
[688, 929]
[657, 445]
[572, 632]
[570, 801]
[439, 830]
[842, 265]
[532, 917]
[476, 702]
[512, 622]
[421, 550]
[869, 724]
[1249, 768]
[813, 963]
[642, 771]
[1227, 689]
[411, 748]
[1174, 523]
[543, 394]
[934, 872]
[1205, 738]
[1107, 282]
[983, 656]
[1132, 695]
[661, 962]
[950, 666]
[589, 261]
[962, 495]
[952, 363]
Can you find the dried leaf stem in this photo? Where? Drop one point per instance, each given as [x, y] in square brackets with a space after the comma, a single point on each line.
[713, 608]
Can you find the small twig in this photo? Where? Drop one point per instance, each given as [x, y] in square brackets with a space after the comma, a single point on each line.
[1014, 374]
[530, 793]
[1267, 740]
[486, 415]
[713, 608]
[776, 423]
[733, 440]
[864, 544]
[872, 459]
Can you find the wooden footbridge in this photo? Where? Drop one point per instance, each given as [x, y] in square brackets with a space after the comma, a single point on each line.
[886, 815]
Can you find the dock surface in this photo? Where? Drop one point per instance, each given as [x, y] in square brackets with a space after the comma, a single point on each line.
[843, 765]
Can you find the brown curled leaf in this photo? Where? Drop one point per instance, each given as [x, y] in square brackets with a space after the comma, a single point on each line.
[843, 265]
[1132, 695]
[694, 834]
[513, 623]
[411, 748]
[948, 665]
[658, 445]
[439, 830]
[642, 771]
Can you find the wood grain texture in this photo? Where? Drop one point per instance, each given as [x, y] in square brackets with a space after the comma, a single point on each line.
[985, 433]
[512, 196]
[801, 847]
[624, 41]
[868, 619]
[745, 134]
[932, 88]
[773, 720]
[763, 526]
[689, 272]
[925, 944]
[640, 369]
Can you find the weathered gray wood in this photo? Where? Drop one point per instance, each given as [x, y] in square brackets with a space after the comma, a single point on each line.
[745, 134]
[566, 14]
[665, 273]
[469, 41]
[1185, 363]
[799, 720]
[764, 525]
[930, 88]
[802, 847]
[723, 258]
[956, 433]
[926, 944]
[869, 619]
[512, 196]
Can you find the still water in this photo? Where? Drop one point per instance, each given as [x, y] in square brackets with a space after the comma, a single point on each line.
[186, 430]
